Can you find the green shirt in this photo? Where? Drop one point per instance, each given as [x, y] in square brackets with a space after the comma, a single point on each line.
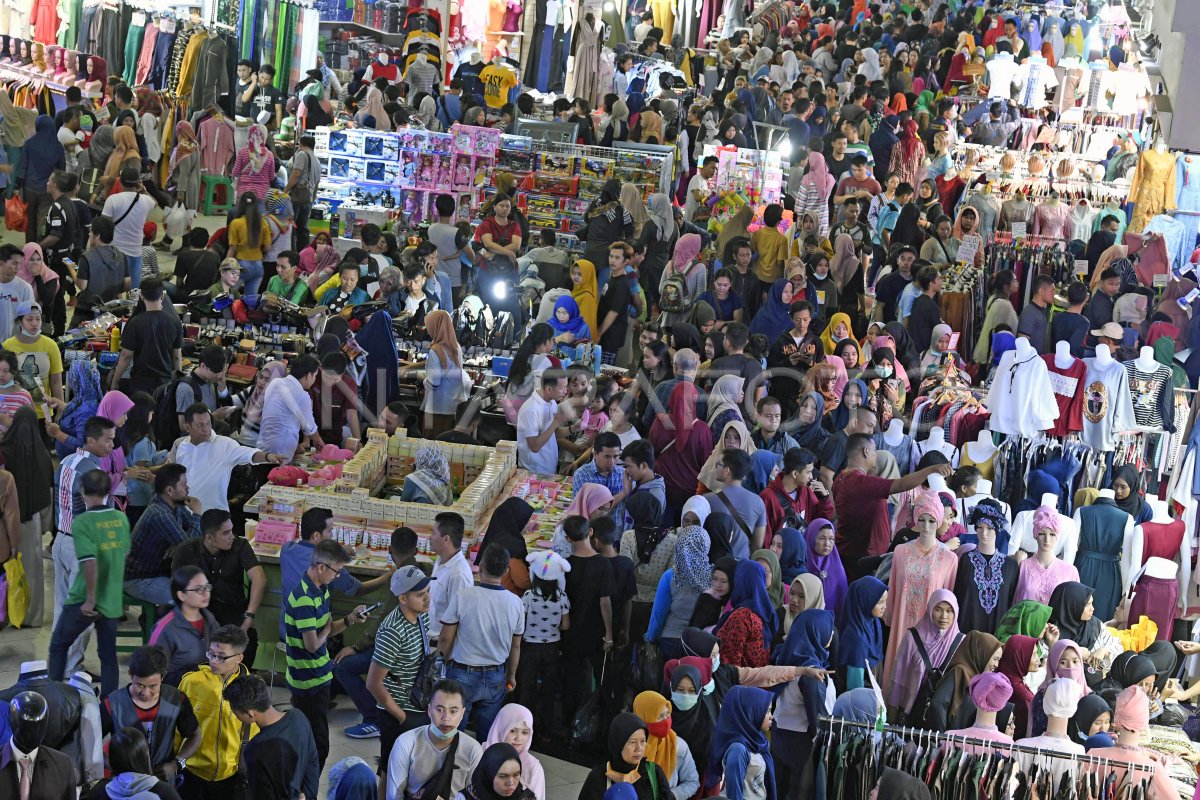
[306, 609]
[101, 535]
[297, 294]
[399, 648]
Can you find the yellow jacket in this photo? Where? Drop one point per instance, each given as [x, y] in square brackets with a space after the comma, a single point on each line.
[223, 736]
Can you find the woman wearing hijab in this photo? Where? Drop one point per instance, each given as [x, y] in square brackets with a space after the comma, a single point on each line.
[498, 776]
[254, 166]
[908, 228]
[733, 435]
[507, 528]
[658, 232]
[809, 432]
[919, 569]
[28, 461]
[569, 325]
[804, 592]
[825, 563]
[585, 292]
[633, 202]
[1026, 618]
[373, 107]
[802, 703]
[83, 381]
[712, 601]
[679, 590]
[514, 726]
[651, 548]
[1018, 660]
[844, 264]
[860, 644]
[908, 156]
[443, 375]
[352, 779]
[740, 753]
[952, 706]
[315, 113]
[1127, 486]
[928, 646]
[686, 267]
[987, 577]
[896, 785]
[650, 123]
[1066, 660]
[1091, 722]
[770, 564]
[812, 197]
[183, 171]
[627, 763]
[745, 632]
[764, 467]
[664, 747]
[734, 229]
[606, 222]
[774, 319]
[429, 482]
[617, 129]
[684, 335]
[725, 403]
[681, 443]
[694, 709]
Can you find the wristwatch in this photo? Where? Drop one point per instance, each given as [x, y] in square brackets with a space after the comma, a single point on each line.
[248, 615]
[182, 762]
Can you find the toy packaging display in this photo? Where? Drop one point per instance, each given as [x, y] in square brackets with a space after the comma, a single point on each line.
[757, 174]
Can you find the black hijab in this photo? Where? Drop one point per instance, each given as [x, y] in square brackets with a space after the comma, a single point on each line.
[906, 351]
[684, 334]
[695, 725]
[315, 115]
[482, 779]
[720, 527]
[29, 462]
[506, 527]
[908, 231]
[1100, 241]
[623, 726]
[1090, 707]
[896, 785]
[697, 642]
[1133, 502]
[646, 511]
[1067, 602]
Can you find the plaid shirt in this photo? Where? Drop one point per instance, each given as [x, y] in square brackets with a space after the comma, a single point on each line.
[614, 482]
[68, 497]
[159, 529]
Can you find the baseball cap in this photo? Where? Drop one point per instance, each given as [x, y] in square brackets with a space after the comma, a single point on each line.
[27, 308]
[1110, 330]
[409, 579]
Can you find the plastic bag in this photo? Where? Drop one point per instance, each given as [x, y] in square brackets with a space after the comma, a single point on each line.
[14, 214]
[18, 590]
[647, 667]
[588, 721]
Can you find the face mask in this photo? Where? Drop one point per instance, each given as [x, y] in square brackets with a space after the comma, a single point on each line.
[716, 662]
[884, 372]
[820, 275]
[683, 701]
[436, 733]
[31, 334]
[659, 729]
[8, 385]
[708, 687]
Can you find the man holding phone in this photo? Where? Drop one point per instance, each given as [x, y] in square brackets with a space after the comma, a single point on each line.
[308, 625]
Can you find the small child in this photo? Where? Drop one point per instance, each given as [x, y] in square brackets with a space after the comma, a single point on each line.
[620, 412]
[595, 415]
[547, 615]
[606, 538]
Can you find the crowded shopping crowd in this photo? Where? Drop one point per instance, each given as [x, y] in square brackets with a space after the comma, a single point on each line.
[809, 413]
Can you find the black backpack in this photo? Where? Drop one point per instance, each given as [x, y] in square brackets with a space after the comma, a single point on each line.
[166, 418]
[929, 683]
[790, 518]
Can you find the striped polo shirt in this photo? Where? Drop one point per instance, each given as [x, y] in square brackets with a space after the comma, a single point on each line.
[306, 609]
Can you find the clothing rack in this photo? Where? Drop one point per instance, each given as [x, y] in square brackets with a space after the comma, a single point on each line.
[942, 737]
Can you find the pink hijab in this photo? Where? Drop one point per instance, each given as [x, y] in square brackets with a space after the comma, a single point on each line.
[910, 668]
[818, 175]
[1074, 673]
[533, 777]
[589, 497]
[26, 274]
[113, 406]
[686, 250]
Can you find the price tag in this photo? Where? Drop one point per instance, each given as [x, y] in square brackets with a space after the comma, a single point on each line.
[1160, 281]
[1081, 267]
[967, 249]
[139, 19]
[1185, 302]
[1018, 230]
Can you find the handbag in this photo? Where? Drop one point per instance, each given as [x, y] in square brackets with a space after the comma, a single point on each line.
[432, 670]
[587, 722]
[438, 787]
[14, 213]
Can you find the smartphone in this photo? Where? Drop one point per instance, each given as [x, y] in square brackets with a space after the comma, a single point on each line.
[367, 611]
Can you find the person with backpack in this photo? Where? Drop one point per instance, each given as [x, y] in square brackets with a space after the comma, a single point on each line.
[683, 281]
[923, 658]
[103, 271]
[205, 384]
[795, 496]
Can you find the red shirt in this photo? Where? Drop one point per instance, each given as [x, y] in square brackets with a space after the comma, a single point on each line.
[804, 502]
[1068, 386]
[863, 527]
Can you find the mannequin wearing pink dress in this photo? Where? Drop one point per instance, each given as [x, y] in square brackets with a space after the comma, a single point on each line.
[1042, 571]
[1130, 720]
[919, 568]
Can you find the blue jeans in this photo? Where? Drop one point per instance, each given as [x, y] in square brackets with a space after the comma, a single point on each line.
[135, 271]
[252, 275]
[152, 590]
[348, 674]
[70, 623]
[485, 696]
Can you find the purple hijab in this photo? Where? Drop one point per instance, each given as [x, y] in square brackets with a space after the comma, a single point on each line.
[909, 671]
[828, 568]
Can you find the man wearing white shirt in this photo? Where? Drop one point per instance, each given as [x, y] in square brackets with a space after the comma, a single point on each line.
[210, 458]
[451, 572]
[538, 421]
[287, 410]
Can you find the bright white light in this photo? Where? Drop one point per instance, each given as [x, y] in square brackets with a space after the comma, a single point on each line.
[500, 290]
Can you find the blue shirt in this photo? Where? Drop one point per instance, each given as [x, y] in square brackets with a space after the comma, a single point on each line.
[888, 214]
[724, 308]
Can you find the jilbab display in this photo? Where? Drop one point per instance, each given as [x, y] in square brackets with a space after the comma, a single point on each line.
[860, 646]
[803, 701]
[990, 692]
[1043, 571]
[740, 753]
[627, 736]
[693, 708]
[923, 657]
[1019, 659]
[712, 600]
[952, 706]
[919, 568]
[745, 632]
[825, 563]
[987, 577]
[1066, 660]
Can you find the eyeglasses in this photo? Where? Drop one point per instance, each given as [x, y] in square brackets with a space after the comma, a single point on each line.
[204, 589]
[336, 572]
[220, 659]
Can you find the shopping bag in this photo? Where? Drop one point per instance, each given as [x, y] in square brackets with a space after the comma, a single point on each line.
[3, 599]
[14, 214]
[18, 590]
[589, 718]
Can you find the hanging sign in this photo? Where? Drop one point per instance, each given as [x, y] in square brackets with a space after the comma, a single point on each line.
[1018, 230]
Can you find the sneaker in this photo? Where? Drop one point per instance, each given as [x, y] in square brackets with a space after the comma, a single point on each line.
[363, 731]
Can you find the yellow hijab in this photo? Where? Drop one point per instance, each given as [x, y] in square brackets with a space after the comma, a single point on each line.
[659, 749]
[827, 338]
[587, 295]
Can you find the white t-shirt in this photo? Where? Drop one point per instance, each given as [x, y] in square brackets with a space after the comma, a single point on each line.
[12, 294]
[696, 184]
[128, 236]
[535, 416]
[67, 137]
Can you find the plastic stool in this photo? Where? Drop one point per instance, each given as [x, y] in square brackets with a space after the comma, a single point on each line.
[208, 185]
[128, 640]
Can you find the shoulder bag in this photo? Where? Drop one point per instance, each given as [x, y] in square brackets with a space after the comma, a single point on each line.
[737, 517]
[431, 670]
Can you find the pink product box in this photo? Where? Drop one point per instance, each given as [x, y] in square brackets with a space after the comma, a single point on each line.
[270, 531]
